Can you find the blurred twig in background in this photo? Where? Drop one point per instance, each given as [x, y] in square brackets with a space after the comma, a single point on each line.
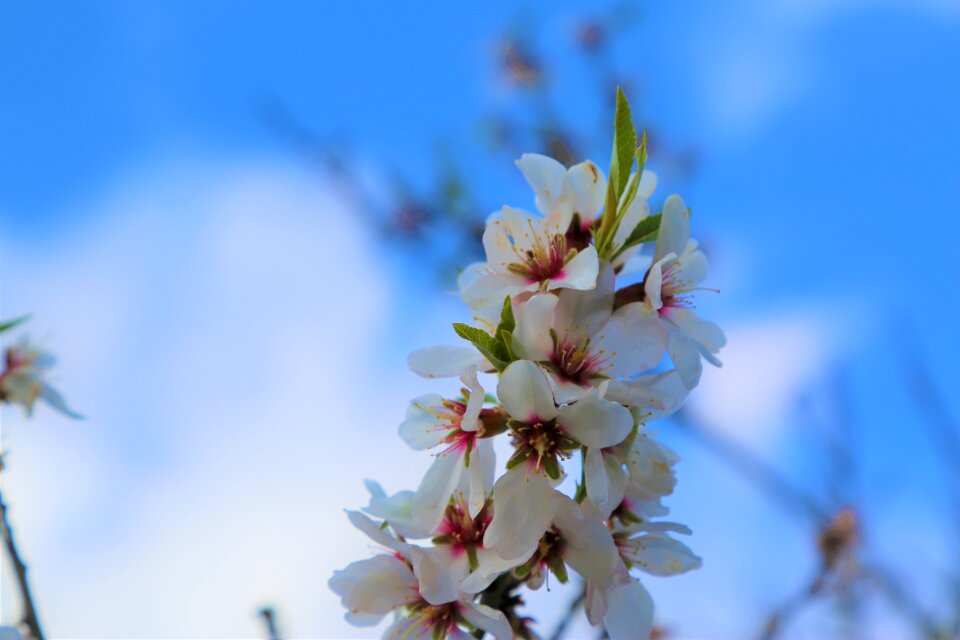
[30, 620]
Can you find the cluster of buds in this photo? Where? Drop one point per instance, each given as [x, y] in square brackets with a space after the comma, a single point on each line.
[587, 338]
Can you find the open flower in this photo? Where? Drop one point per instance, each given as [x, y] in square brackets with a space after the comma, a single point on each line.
[459, 426]
[524, 499]
[393, 582]
[580, 341]
[678, 269]
[572, 198]
[22, 379]
[525, 253]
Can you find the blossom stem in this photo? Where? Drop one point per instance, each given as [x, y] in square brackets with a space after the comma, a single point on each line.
[30, 619]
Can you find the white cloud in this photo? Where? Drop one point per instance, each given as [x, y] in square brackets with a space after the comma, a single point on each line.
[767, 364]
[217, 328]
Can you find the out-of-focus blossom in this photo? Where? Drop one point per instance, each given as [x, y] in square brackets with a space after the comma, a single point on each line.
[23, 379]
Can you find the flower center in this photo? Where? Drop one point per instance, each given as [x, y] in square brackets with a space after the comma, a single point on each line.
[460, 531]
[542, 262]
[439, 619]
[579, 234]
[543, 442]
[573, 362]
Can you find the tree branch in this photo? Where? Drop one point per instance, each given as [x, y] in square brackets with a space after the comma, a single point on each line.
[30, 619]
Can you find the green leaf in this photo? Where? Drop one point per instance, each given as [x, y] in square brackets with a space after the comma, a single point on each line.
[624, 148]
[10, 324]
[507, 321]
[645, 231]
[624, 143]
[505, 329]
[492, 348]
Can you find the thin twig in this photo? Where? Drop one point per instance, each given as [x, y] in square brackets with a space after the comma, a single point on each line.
[30, 619]
[270, 622]
[758, 471]
[572, 610]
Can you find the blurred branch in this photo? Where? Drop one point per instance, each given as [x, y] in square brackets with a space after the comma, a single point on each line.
[30, 619]
[754, 468]
[572, 610]
[269, 616]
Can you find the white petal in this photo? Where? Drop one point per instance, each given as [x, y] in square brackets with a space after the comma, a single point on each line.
[423, 429]
[565, 391]
[596, 422]
[489, 290]
[474, 402]
[545, 175]
[54, 398]
[585, 188]
[523, 228]
[584, 313]
[634, 340]
[580, 273]
[648, 183]
[531, 338]
[377, 534]
[490, 620]
[661, 555]
[656, 395]
[437, 486]
[499, 250]
[589, 550]
[704, 332]
[439, 573]
[686, 357]
[629, 612]
[691, 268]
[445, 361]
[523, 506]
[653, 284]
[374, 587]
[595, 475]
[524, 392]
[397, 510]
[674, 228]
[482, 465]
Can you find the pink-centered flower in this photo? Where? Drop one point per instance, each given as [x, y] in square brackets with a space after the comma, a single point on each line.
[525, 253]
[678, 269]
[580, 340]
[393, 582]
[22, 380]
[572, 198]
[456, 427]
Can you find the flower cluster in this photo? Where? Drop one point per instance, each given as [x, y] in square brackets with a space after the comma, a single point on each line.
[587, 338]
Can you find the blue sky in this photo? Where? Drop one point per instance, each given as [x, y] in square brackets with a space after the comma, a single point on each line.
[223, 317]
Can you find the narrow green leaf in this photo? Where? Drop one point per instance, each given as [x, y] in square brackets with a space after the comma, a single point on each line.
[645, 231]
[621, 162]
[10, 324]
[507, 320]
[624, 143]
